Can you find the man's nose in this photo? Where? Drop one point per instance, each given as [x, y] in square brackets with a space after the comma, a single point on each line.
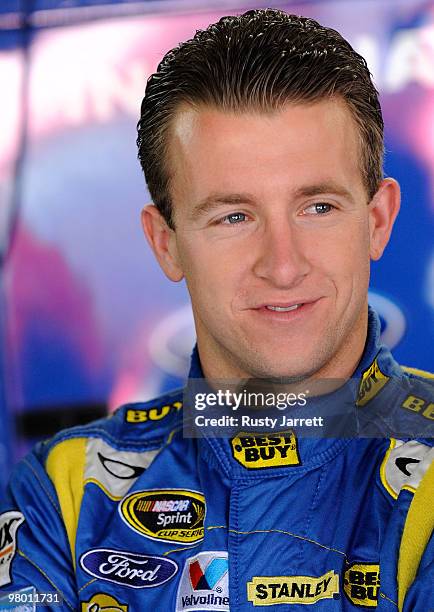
[281, 256]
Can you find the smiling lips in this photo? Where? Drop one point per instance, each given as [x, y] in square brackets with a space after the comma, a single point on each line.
[283, 308]
[285, 311]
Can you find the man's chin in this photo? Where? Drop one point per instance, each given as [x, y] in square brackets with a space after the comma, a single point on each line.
[285, 370]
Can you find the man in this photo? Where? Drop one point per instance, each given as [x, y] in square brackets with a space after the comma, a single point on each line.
[261, 140]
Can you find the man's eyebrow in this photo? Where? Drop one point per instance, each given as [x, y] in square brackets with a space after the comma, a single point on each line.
[216, 200]
[322, 188]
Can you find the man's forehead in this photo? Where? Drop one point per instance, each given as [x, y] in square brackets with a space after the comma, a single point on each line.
[218, 144]
[206, 135]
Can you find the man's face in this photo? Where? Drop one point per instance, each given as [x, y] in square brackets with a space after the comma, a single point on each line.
[273, 237]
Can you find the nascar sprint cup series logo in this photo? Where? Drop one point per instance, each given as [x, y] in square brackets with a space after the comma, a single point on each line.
[168, 515]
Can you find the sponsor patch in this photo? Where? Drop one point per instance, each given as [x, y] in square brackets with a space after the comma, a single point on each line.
[204, 583]
[420, 405]
[259, 451]
[373, 380]
[168, 515]
[114, 471]
[129, 569]
[362, 583]
[404, 465]
[151, 414]
[100, 602]
[272, 590]
[9, 523]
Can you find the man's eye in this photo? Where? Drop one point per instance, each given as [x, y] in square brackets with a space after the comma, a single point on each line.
[234, 218]
[320, 208]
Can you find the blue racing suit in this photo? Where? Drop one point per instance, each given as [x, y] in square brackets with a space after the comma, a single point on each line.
[127, 514]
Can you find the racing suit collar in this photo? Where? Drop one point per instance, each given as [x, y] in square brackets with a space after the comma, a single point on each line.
[312, 452]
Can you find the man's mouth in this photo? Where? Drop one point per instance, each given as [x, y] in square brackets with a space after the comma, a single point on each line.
[282, 308]
[286, 311]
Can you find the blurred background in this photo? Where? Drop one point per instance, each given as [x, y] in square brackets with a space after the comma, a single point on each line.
[87, 320]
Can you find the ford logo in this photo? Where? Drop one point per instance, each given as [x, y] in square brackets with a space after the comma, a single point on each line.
[128, 569]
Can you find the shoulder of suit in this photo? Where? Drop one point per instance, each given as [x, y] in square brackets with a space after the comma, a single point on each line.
[418, 374]
[136, 426]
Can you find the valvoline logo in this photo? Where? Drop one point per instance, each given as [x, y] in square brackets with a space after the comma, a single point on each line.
[204, 583]
[207, 579]
[129, 569]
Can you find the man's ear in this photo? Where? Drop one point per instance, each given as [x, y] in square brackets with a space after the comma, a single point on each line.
[383, 210]
[162, 241]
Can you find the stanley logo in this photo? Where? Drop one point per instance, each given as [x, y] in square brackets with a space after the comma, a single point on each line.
[373, 380]
[169, 515]
[152, 414]
[259, 451]
[272, 590]
[362, 583]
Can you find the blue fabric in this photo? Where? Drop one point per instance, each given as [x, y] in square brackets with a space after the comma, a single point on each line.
[289, 532]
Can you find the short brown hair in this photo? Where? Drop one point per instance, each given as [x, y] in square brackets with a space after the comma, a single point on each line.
[257, 61]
